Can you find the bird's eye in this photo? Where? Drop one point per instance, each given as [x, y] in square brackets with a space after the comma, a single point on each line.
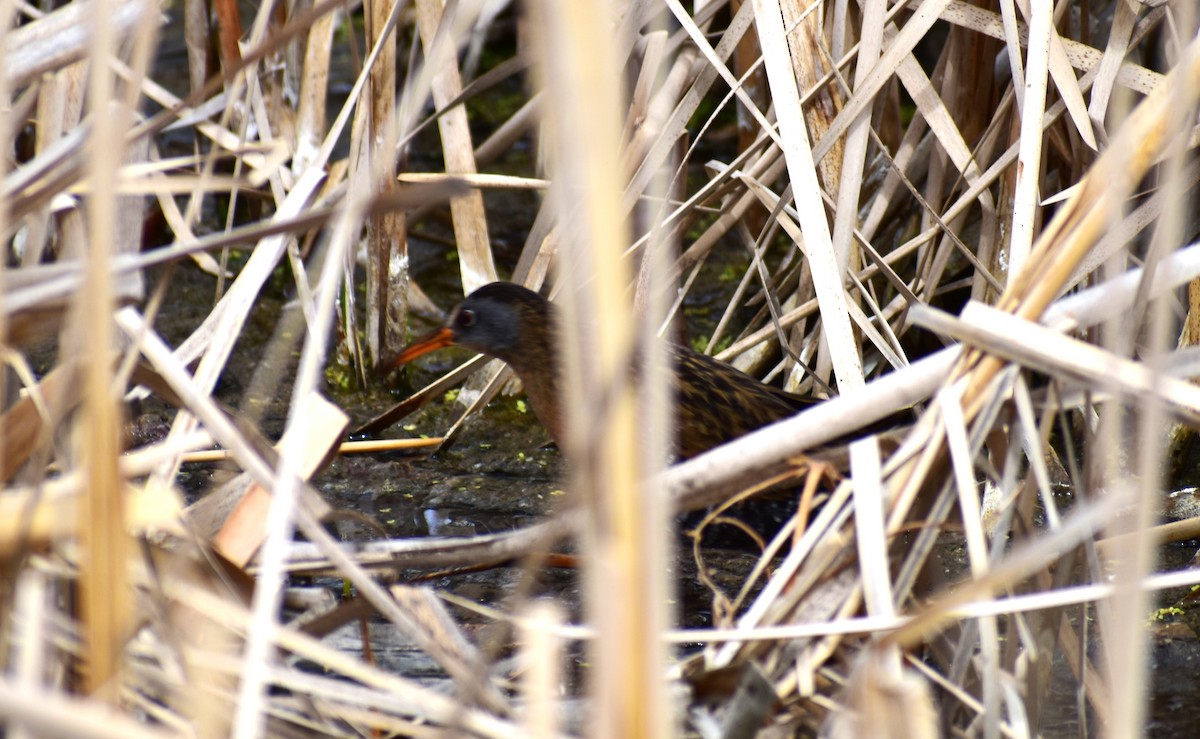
[466, 319]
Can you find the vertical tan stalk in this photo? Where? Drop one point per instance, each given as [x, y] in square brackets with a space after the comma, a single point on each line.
[7, 9]
[105, 545]
[583, 85]
[470, 221]
[806, 37]
[195, 31]
[542, 651]
[1126, 637]
[655, 292]
[387, 242]
[1029, 160]
[314, 86]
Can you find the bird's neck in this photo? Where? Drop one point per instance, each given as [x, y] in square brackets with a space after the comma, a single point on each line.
[537, 364]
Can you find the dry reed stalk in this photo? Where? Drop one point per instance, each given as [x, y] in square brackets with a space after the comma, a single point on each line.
[1032, 103]
[387, 237]
[543, 655]
[583, 94]
[102, 523]
[438, 36]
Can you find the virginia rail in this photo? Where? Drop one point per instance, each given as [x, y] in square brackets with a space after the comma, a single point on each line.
[714, 402]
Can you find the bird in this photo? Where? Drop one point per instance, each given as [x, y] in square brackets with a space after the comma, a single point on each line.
[715, 402]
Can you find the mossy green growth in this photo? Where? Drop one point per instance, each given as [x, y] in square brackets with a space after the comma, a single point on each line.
[1167, 613]
[700, 343]
[340, 377]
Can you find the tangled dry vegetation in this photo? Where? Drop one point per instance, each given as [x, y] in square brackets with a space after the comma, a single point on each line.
[979, 210]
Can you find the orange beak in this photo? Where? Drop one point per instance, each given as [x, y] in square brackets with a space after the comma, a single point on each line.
[439, 339]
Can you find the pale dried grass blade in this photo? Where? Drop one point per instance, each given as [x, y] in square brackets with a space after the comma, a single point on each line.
[1012, 47]
[949, 404]
[639, 103]
[310, 112]
[483, 181]
[1119, 33]
[29, 665]
[543, 658]
[195, 36]
[1029, 156]
[60, 105]
[104, 539]
[805, 34]
[870, 537]
[1062, 74]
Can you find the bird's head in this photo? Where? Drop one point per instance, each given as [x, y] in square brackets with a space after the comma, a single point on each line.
[500, 319]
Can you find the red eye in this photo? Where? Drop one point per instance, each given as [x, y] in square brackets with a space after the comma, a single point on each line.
[466, 319]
